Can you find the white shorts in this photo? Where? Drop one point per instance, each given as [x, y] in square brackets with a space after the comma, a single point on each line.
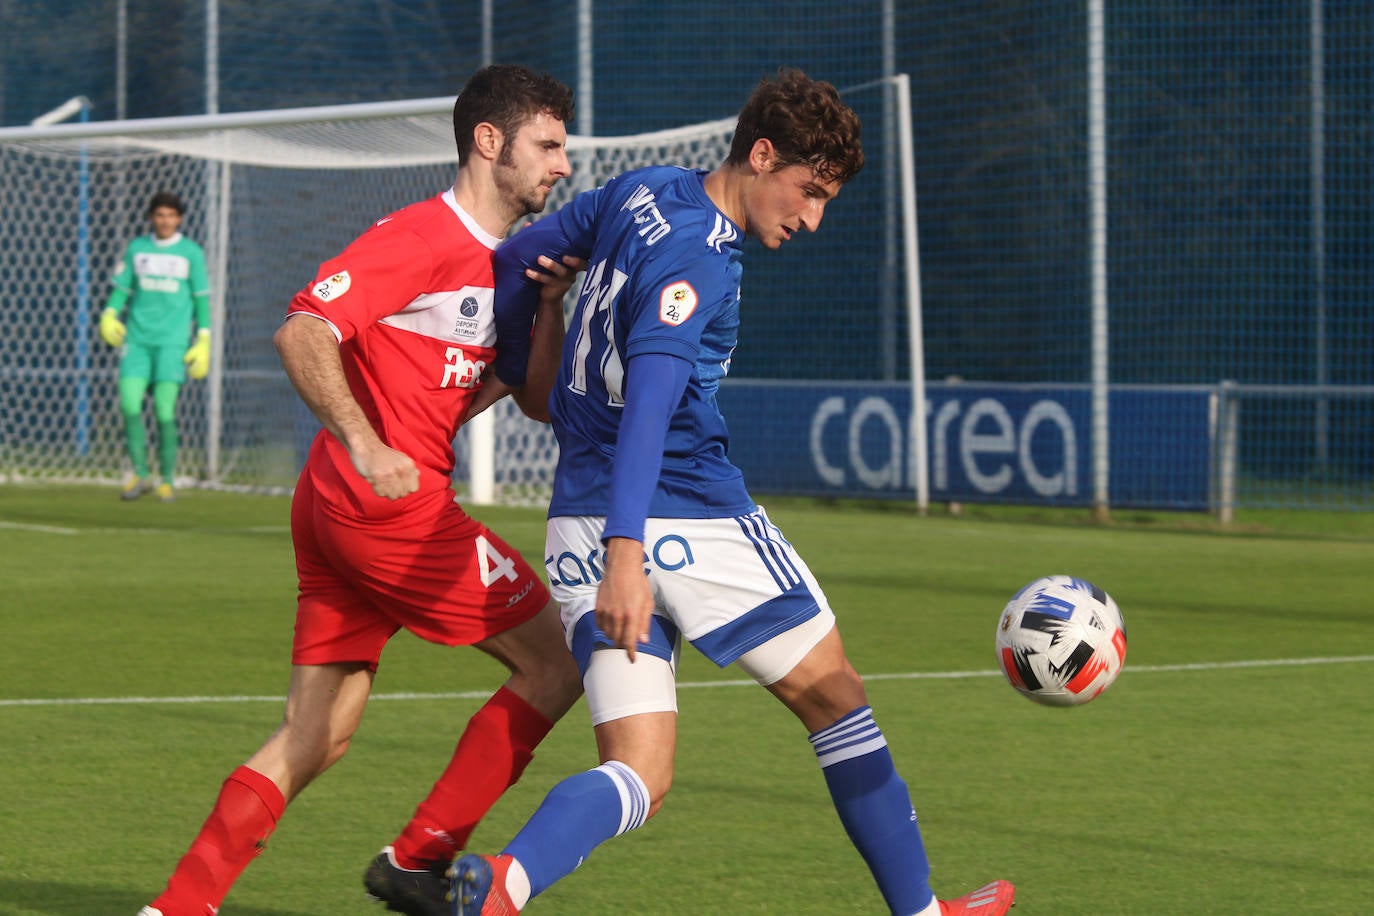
[734, 587]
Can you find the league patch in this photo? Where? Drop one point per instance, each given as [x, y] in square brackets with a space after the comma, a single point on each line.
[331, 288]
[676, 303]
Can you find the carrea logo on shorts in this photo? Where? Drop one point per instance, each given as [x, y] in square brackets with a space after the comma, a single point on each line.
[669, 553]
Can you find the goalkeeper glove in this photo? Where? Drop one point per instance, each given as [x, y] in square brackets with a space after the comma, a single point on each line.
[197, 359]
[111, 328]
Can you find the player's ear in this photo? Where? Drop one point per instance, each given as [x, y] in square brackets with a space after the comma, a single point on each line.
[763, 157]
[487, 139]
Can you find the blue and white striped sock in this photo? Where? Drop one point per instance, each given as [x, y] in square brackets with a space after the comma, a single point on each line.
[579, 814]
[875, 808]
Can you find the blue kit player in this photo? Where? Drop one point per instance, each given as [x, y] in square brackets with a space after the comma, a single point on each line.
[652, 535]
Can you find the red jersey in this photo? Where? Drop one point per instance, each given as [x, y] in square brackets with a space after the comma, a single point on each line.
[410, 301]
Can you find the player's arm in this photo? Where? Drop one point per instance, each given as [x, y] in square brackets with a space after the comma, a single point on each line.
[546, 340]
[552, 281]
[520, 289]
[112, 329]
[654, 383]
[309, 353]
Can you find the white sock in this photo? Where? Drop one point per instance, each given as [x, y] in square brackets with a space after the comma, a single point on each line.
[932, 910]
[518, 885]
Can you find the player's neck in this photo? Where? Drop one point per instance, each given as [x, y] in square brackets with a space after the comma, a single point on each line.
[726, 187]
[482, 201]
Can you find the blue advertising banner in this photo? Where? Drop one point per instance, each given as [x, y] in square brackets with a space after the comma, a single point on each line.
[987, 442]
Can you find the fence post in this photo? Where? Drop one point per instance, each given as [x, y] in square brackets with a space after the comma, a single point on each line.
[1228, 434]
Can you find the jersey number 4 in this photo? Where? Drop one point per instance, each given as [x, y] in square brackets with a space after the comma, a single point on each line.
[492, 563]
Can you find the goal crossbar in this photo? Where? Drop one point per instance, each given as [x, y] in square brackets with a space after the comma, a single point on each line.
[272, 193]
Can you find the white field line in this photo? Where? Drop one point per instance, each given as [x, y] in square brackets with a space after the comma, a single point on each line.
[57, 529]
[688, 685]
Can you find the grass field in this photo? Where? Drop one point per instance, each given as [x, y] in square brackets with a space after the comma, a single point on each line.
[1229, 770]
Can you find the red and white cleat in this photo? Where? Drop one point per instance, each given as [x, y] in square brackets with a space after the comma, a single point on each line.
[992, 899]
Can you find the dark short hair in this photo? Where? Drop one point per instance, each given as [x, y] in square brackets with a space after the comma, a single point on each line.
[507, 96]
[166, 199]
[806, 122]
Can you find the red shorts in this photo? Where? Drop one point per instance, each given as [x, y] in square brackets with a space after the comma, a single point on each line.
[434, 570]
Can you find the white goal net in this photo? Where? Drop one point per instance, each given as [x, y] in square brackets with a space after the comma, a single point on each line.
[270, 195]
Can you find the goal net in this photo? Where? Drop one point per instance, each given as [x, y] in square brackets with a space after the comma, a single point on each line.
[270, 195]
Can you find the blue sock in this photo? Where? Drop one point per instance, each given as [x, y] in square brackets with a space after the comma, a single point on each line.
[578, 814]
[875, 808]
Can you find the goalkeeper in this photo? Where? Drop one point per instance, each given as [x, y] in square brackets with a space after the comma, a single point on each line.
[161, 285]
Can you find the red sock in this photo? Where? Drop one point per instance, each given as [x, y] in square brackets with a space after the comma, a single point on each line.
[493, 751]
[245, 814]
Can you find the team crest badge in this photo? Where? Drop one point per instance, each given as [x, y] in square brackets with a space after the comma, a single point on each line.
[676, 303]
[333, 287]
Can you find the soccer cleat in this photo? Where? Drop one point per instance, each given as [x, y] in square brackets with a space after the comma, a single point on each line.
[165, 494]
[150, 911]
[135, 487]
[415, 893]
[479, 886]
[992, 899]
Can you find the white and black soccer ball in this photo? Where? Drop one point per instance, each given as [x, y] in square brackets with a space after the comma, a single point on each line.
[1061, 641]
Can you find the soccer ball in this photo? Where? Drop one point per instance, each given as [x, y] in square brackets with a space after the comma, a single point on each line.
[1061, 641]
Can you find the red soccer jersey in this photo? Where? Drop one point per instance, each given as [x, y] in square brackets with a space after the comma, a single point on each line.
[410, 301]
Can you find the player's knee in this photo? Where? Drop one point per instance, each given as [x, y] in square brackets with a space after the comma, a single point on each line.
[657, 777]
[658, 791]
[820, 694]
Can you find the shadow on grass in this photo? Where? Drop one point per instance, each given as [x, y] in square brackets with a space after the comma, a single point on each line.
[52, 898]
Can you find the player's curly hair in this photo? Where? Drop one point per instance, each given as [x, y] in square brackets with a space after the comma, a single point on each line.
[507, 96]
[166, 199]
[806, 122]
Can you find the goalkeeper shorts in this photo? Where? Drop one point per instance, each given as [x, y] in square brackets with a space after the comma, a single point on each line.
[154, 362]
[435, 571]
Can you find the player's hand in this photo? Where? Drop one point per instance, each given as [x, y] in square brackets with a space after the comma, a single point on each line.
[557, 277]
[197, 359]
[392, 474]
[112, 330]
[624, 601]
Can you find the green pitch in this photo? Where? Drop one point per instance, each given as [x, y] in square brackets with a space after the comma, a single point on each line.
[146, 652]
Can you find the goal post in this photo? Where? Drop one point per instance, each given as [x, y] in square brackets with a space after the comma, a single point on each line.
[270, 195]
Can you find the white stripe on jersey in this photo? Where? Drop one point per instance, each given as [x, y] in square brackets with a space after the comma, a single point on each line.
[723, 233]
[462, 316]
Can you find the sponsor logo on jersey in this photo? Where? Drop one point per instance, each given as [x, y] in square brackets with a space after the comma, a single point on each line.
[158, 284]
[652, 226]
[676, 303]
[459, 371]
[331, 288]
[465, 326]
[161, 264]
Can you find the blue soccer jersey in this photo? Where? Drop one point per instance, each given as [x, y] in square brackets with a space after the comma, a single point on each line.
[663, 280]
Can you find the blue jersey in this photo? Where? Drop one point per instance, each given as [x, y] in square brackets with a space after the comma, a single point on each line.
[663, 279]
